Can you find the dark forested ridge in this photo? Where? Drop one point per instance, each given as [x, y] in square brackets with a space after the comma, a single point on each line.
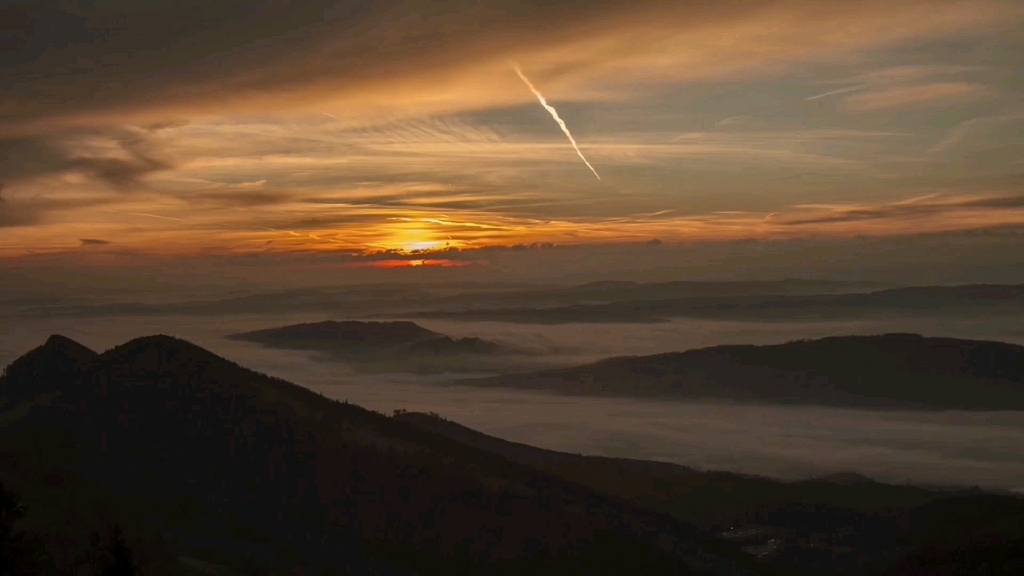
[205, 463]
[367, 340]
[840, 524]
[891, 370]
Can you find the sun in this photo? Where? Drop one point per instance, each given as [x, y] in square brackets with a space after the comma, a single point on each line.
[410, 247]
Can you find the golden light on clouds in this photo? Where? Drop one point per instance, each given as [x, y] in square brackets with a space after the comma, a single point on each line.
[411, 135]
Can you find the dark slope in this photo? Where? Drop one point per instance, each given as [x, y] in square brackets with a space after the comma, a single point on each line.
[48, 368]
[778, 306]
[841, 524]
[368, 341]
[241, 469]
[892, 370]
[598, 471]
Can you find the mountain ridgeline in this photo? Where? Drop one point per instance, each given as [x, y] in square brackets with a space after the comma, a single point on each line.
[729, 301]
[213, 468]
[891, 370]
[367, 340]
[205, 460]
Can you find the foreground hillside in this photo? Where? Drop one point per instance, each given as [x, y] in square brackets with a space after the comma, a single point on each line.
[206, 463]
[839, 524]
[892, 370]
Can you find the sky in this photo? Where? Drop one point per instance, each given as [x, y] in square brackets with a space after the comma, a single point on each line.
[379, 136]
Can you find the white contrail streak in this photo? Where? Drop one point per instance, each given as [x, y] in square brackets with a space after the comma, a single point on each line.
[144, 214]
[554, 114]
[840, 91]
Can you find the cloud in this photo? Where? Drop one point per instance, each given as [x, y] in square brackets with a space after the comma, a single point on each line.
[118, 159]
[14, 216]
[24, 212]
[395, 123]
[898, 96]
[419, 58]
[967, 127]
[837, 91]
[932, 207]
[93, 242]
[734, 121]
[912, 73]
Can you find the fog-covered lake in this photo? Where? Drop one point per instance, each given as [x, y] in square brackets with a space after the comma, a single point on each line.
[985, 449]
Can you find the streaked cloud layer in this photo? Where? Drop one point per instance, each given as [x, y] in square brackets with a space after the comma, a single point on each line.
[182, 128]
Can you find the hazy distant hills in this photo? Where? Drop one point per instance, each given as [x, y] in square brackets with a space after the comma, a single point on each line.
[598, 302]
[971, 300]
[385, 299]
[892, 370]
[201, 458]
[624, 290]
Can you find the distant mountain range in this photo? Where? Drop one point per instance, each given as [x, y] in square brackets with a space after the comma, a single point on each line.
[207, 464]
[383, 299]
[892, 370]
[726, 304]
[597, 302]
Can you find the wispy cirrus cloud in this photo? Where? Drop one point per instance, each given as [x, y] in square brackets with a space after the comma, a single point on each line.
[353, 63]
[967, 127]
[933, 211]
[931, 93]
[362, 128]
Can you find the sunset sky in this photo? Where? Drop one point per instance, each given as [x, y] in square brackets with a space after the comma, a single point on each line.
[389, 130]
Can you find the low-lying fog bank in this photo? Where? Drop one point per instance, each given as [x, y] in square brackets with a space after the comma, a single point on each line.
[961, 448]
[940, 448]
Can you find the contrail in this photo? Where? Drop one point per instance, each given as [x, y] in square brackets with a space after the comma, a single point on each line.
[554, 114]
[144, 214]
[840, 91]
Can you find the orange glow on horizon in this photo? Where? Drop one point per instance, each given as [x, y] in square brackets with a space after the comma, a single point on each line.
[430, 263]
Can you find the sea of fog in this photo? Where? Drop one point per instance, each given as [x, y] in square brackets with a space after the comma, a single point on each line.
[940, 448]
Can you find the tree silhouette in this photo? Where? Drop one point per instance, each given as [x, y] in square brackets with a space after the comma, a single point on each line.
[11, 510]
[113, 557]
[18, 554]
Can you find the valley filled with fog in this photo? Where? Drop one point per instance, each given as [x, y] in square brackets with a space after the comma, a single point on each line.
[936, 448]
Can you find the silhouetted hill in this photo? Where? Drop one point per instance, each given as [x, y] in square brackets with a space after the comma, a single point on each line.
[341, 334]
[892, 370]
[367, 340]
[201, 458]
[843, 523]
[57, 363]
